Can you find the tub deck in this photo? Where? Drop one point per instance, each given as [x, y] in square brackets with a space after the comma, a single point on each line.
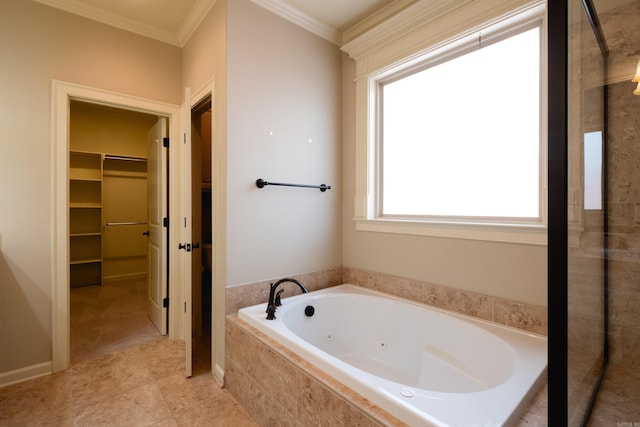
[277, 386]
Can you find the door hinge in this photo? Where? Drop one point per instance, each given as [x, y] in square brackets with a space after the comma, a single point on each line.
[165, 303]
[184, 138]
[165, 222]
[165, 142]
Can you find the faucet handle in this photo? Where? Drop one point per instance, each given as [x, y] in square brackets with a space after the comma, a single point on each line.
[271, 312]
[277, 302]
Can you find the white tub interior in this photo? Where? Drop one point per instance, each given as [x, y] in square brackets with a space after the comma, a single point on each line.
[423, 365]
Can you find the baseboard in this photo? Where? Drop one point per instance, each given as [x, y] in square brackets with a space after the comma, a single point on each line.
[218, 374]
[26, 373]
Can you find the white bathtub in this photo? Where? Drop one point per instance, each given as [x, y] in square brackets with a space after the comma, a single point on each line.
[425, 366]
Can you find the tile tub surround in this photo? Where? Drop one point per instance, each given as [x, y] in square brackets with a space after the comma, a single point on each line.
[237, 297]
[531, 318]
[273, 395]
[277, 387]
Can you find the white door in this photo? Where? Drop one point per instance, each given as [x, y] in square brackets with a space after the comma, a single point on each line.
[186, 237]
[157, 194]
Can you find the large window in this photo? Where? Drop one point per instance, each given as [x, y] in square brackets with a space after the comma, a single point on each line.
[459, 133]
[450, 122]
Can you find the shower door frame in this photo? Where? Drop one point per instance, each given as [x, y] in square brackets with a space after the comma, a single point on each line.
[557, 249]
[558, 298]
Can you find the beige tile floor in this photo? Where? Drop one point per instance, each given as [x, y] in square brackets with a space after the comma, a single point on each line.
[109, 318]
[618, 401]
[123, 373]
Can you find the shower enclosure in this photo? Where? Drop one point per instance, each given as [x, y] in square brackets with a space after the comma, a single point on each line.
[594, 213]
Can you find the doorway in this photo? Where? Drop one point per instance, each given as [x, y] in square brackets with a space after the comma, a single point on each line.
[62, 96]
[109, 229]
[202, 270]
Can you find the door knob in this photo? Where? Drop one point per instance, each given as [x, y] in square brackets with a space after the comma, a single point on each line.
[146, 233]
[186, 247]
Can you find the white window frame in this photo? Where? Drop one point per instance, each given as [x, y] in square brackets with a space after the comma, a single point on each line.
[410, 37]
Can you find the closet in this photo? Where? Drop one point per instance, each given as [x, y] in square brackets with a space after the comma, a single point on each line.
[125, 216]
[108, 206]
[201, 283]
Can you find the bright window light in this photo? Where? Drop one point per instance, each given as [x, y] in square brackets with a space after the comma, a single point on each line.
[461, 138]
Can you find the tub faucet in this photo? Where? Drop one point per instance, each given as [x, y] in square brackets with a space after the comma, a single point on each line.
[274, 298]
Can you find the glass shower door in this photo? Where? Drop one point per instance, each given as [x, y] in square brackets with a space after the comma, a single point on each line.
[603, 213]
[586, 208]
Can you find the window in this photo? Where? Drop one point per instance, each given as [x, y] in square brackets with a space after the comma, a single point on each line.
[460, 135]
[450, 122]
[593, 170]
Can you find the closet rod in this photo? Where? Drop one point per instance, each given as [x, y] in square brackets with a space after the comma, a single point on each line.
[125, 158]
[111, 224]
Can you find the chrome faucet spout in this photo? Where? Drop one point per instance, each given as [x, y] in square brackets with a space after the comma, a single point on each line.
[274, 298]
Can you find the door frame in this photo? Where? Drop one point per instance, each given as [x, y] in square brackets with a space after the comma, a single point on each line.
[186, 232]
[218, 225]
[61, 95]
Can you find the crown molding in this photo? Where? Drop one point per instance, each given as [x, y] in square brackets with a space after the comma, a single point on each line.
[427, 24]
[303, 20]
[179, 38]
[376, 18]
[198, 12]
[90, 12]
[418, 15]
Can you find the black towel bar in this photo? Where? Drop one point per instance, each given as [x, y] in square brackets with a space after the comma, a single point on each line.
[260, 183]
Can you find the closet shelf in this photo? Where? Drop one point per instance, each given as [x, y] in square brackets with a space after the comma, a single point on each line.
[124, 158]
[80, 205]
[85, 261]
[82, 179]
[89, 234]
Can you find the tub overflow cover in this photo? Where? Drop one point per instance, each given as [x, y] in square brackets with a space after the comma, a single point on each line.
[406, 392]
[309, 311]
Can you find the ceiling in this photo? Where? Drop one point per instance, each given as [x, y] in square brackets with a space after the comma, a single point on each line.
[174, 21]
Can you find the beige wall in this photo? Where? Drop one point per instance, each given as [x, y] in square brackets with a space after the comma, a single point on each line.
[204, 55]
[271, 76]
[101, 129]
[512, 271]
[204, 58]
[39, 44]
[285, 80]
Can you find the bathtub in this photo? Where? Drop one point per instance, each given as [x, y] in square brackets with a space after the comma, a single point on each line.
[425, 366]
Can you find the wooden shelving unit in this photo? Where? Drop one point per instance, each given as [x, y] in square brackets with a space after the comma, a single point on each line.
[85, 218]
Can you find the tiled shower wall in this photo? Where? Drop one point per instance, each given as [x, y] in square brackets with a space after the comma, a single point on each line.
[624, 224]
[622, 32]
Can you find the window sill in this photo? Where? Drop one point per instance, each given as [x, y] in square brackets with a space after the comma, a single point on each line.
[505, 233]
